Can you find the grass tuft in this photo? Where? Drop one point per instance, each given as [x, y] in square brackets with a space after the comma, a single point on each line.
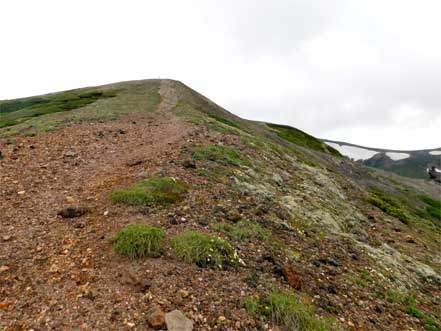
[204, 250]
[286, 310]
[138, 241]
[151, 192]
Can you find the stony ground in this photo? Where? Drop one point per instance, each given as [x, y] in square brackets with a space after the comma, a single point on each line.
[62, 274]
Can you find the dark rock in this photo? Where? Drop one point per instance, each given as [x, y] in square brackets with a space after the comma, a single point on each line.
[380, 308]
[121, 131]
[332, 289]
[203, 222]
[189, 164]
[73, 212]
[144, 210]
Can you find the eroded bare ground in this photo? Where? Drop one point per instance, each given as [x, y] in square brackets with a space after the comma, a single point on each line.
[60, 274]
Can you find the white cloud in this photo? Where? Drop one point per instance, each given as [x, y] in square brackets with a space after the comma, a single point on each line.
[367, 72]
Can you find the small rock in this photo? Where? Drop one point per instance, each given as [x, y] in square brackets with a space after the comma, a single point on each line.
[143, 174]
[155, 317]
[70, 154]
[4, 268]
[70, 199]
[21, 192]
[221, 319]
[177, 321]
[7, 237]
[72, 212]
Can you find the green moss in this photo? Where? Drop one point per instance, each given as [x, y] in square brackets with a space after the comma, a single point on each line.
[430, 322]
[225, 121]
[302, 139]
[286, 310]
[138, 241]
[151, 192]
[433, 208]
[242, 230]
[221, 154]
[204, 250]
[388, 204]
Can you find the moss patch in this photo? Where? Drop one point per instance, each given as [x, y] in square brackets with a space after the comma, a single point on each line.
[286, 310]
[302, 139]
[151, 192]
[204, 250]
[221, 154]
[138, 241]
[388, 204]
[242, 230]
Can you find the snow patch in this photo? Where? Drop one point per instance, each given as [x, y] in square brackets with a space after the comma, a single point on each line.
[435, 153]
[397, 156]
[352, 152]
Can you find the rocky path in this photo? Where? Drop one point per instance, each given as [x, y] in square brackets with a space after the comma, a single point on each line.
[47, 263]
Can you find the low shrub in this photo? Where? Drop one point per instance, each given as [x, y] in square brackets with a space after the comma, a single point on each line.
[204, 250]
[138, 241]
[152, 191]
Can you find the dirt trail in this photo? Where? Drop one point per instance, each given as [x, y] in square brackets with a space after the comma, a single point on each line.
[169, 96]
[52, 261]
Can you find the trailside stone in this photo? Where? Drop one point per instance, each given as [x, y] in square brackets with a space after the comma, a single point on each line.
[177, 321]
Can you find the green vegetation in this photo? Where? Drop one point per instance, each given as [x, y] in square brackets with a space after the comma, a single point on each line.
[242, 230]
[138, 241]
[221, 154]
[388, 204]
[433, 208]
[16, 111]
[225, 121]
[151, 192]
[302, 139]
[286, 310]
[430, 322]
[204, 250]
[115, 100]
[364, 278]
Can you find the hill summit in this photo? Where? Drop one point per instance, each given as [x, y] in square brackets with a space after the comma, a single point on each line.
[144, 205]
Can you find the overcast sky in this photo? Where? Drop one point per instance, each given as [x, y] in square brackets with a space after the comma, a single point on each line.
[362, 71]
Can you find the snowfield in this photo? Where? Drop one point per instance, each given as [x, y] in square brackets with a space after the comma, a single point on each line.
[435, 152]
[397, 156]
[352, 152]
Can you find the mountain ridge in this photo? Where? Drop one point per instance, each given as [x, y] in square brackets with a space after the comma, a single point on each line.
[125, 211]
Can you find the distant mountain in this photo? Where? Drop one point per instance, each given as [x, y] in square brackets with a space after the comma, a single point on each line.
[402, 162]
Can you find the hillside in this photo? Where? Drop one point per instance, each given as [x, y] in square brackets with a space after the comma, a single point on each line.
[143, 205]
[404, 163]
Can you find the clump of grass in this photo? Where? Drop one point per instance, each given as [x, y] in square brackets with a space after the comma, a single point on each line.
[242, 230]
[221, 154]
[151, 192]
[138, 241]
[204, 250]
[388, 204]
[286, 310]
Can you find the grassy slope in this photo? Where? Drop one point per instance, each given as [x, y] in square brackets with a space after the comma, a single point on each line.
[320, 187]
[44, 113]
